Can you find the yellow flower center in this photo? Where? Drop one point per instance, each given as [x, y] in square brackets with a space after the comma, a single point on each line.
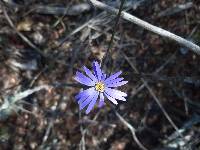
[100, 87]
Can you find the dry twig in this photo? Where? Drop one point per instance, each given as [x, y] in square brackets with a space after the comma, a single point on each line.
[154, 96]
[105, 59]
[128, 125]
[148, 26]
[25, 39]
[175, 9]
[74, 10]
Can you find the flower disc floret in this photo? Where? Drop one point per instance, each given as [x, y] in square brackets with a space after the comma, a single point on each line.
[100, 87]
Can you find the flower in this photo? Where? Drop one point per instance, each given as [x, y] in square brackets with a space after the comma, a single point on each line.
[99, 86]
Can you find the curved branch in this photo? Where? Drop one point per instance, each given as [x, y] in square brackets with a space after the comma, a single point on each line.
[195, 48]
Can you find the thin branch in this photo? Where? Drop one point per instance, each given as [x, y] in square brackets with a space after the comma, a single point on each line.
[27, 41]
[175, 9]
[21, 35]
[154, 96]
[73, 10]
[83, 132]
[47, 133]
[105, 59]
[130, 127]
[142, 86]
[195, 48]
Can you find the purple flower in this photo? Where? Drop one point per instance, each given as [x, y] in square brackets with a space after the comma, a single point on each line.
[100, 86]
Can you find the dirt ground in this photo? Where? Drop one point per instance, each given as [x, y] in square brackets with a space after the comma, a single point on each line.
[46, 42]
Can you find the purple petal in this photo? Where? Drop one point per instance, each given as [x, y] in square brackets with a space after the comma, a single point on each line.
[116, 94]
[90, 74]
[101, 101]
[85, 103]
[117, 84]
[103, 77]
[113, 76]
[88, 100]
[81, 96]
[84, 94]
[92, 103]
[111, 99]
[113, 81]
[83, 79]
[97, 70]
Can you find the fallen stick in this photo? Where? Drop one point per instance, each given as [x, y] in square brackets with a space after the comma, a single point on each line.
[195, 48]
